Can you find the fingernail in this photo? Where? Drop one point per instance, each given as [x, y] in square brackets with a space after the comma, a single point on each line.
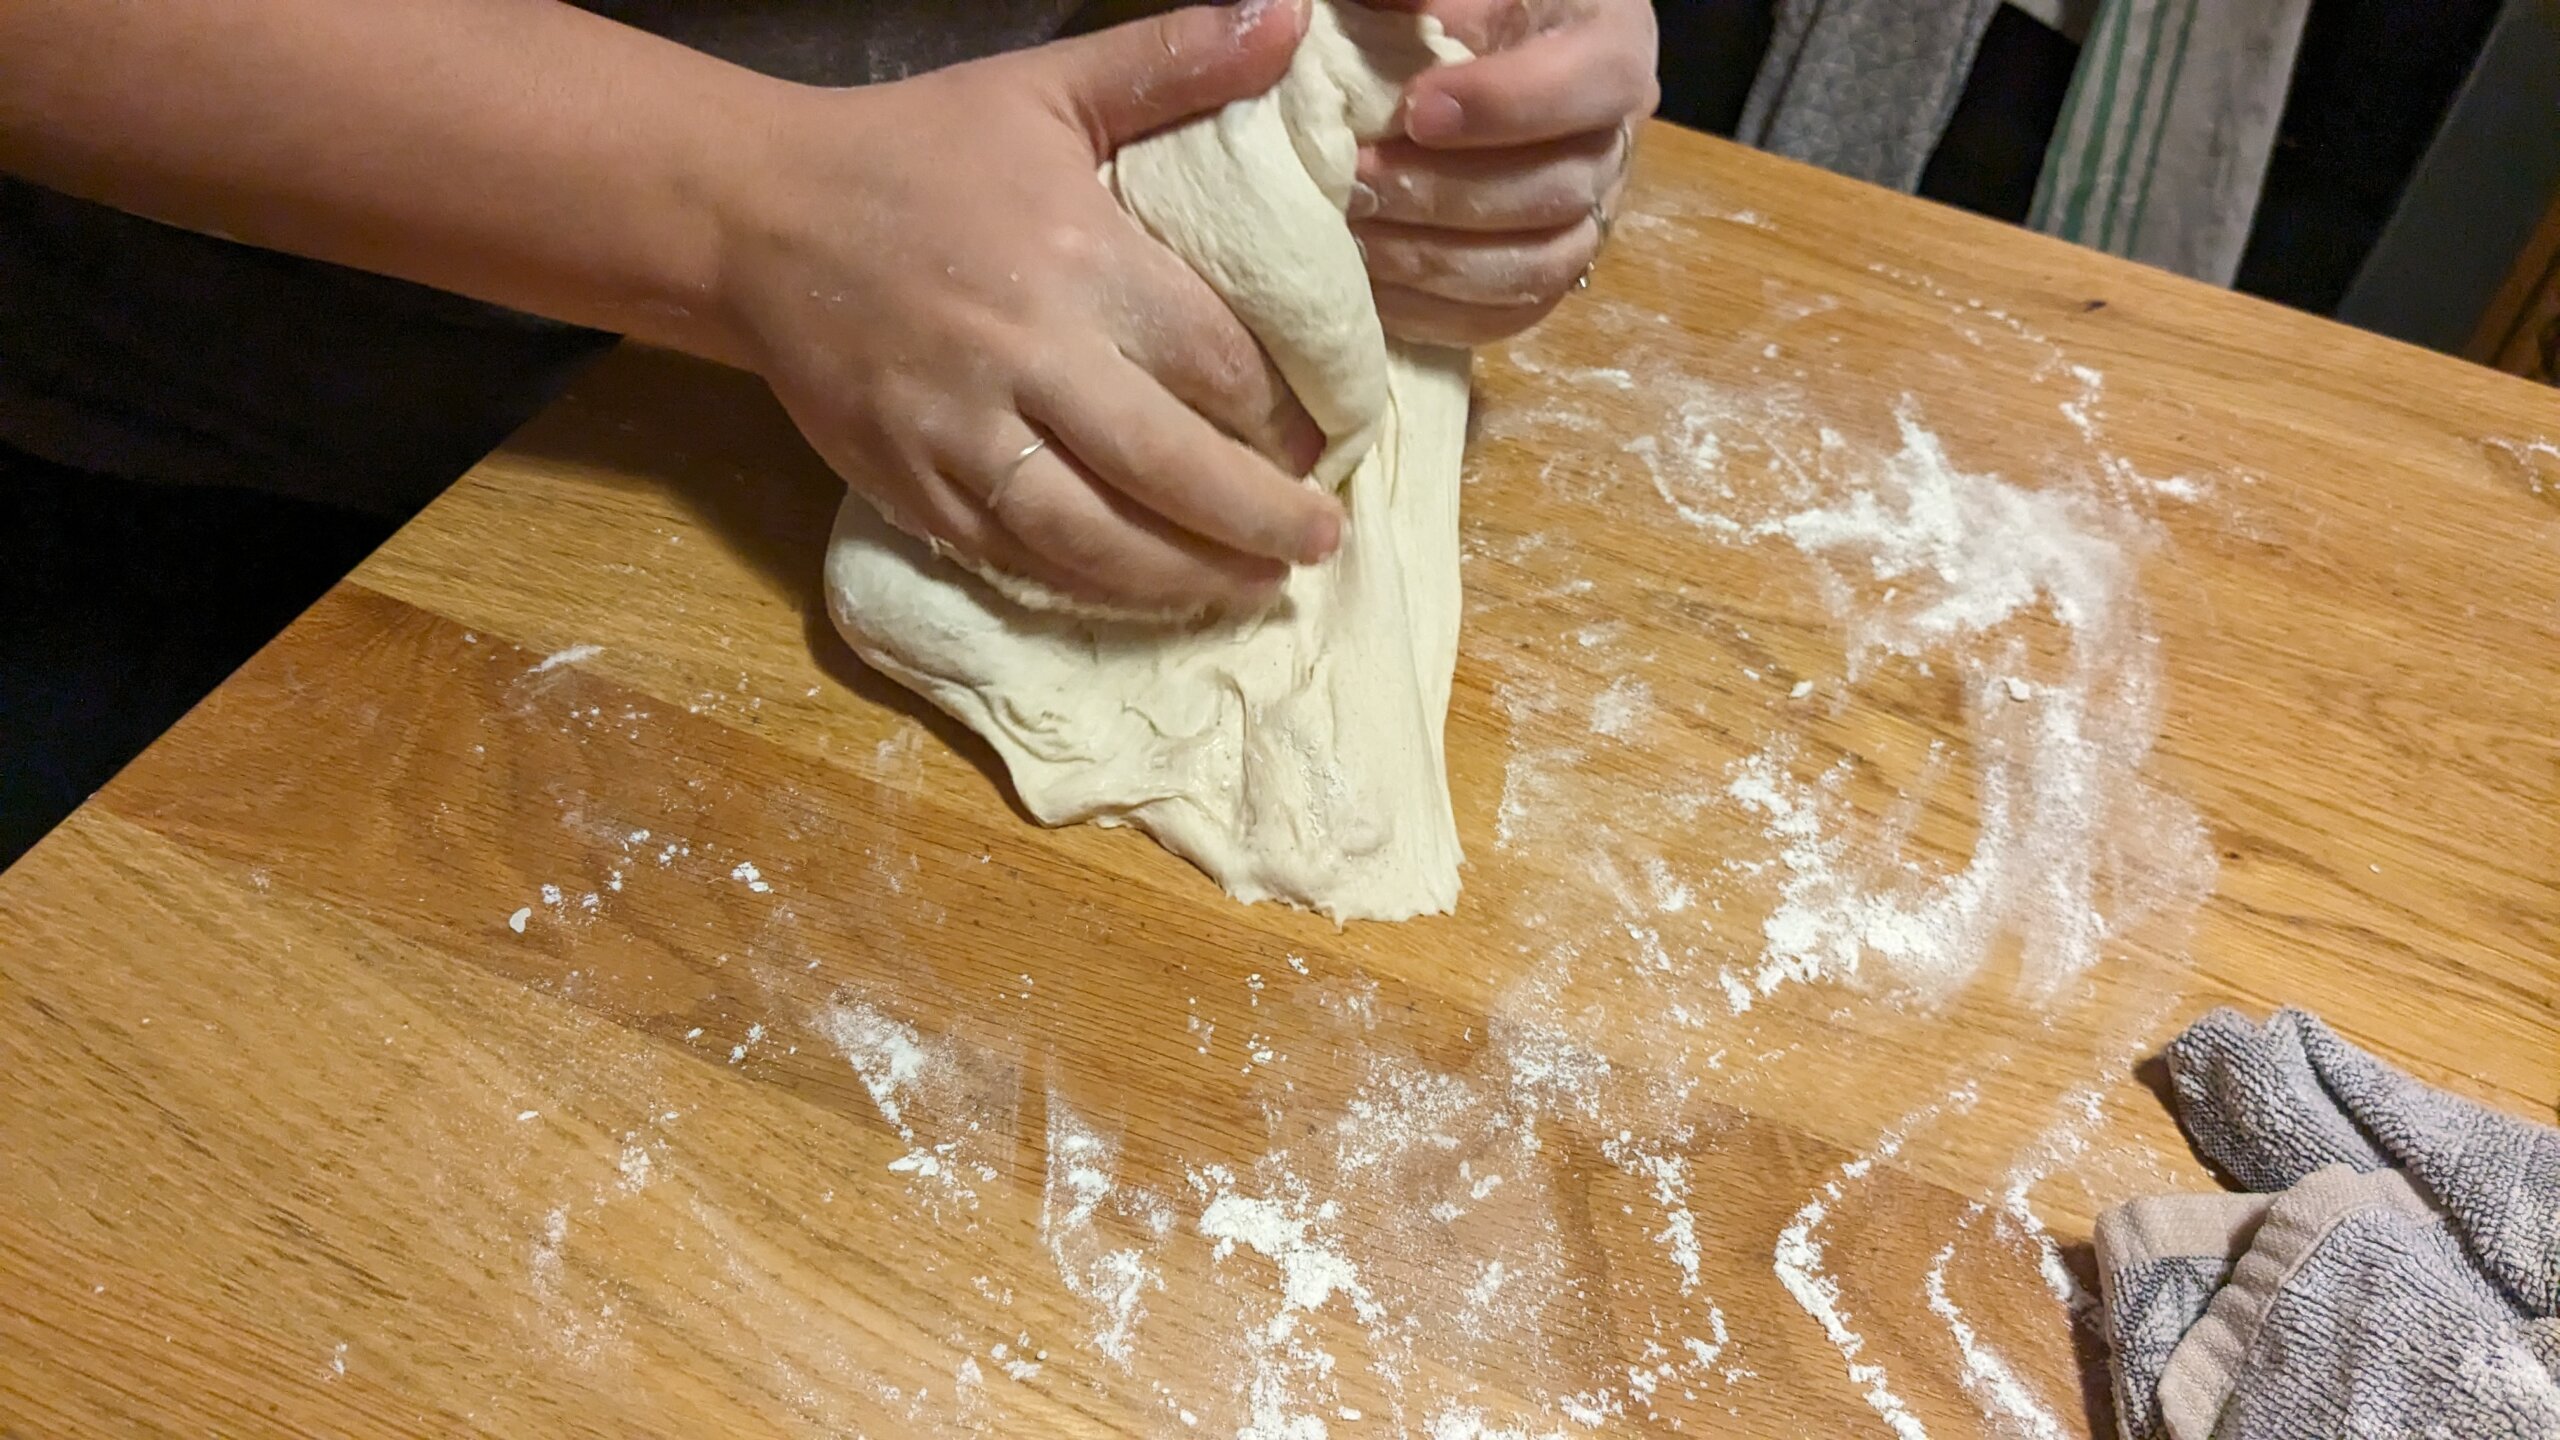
[1364, 201]
[1432, 116]
[1249, 13]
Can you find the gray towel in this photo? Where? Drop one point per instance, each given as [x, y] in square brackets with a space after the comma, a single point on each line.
[1864, 87]
[2272, 1104]
[2404, 1283]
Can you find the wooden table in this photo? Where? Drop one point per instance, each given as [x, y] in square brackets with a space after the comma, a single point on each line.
[554, 990]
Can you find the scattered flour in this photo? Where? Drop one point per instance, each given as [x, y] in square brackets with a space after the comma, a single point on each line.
[1399, 1249]
[1621, 708]
[1670, 1177]
[897, 1066]
[2064, 1142]
[1534, 777]
[1987, 1376]
[1078, 1196]
[1928, 561]
[1799, 1263]
[573, 655]
[1291, 1383]
[2536, 463]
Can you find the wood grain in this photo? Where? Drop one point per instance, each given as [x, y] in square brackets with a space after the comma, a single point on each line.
[303, 1136]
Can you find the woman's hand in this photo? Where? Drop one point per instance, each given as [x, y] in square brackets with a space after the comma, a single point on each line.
[966, 325]
[1489, 208]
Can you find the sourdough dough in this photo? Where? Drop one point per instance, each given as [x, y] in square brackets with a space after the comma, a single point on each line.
[1294, 754]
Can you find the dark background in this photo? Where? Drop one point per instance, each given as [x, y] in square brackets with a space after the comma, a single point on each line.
[122, 604]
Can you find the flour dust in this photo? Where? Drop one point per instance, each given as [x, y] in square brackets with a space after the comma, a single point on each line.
[1410, 1257]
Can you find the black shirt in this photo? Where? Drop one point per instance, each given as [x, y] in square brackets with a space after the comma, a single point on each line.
[141, 350]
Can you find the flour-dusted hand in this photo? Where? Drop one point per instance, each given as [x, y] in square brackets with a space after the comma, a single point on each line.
[968, 327]
[1492, 206]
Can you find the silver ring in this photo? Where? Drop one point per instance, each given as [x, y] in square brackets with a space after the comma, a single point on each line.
[1012, 468]
[1601, 219]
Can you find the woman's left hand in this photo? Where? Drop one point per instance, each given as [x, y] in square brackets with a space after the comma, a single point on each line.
[1494, 201]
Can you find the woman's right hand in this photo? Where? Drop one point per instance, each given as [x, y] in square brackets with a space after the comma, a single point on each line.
[933, 280]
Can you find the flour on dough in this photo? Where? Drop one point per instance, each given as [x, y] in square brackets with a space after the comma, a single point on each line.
[1294, 754]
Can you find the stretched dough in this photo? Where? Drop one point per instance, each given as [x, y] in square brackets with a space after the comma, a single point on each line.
[1295, 754]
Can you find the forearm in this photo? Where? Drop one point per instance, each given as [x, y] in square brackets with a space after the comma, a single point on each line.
[519, 151]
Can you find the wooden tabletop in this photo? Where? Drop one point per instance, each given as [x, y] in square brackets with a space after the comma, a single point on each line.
[553, 990]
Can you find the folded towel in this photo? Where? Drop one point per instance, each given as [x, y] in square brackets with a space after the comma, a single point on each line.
[1864, 87]
[2161, 150]
[2401, 1285]
[2272, 1104]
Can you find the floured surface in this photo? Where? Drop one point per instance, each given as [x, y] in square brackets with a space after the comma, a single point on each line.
[957, 1126]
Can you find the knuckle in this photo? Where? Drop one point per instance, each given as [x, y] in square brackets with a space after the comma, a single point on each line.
[1409, 190]
[1070, 249]
[1228, 365]
[1041, 377]
[1563, 196]
[1402, 259]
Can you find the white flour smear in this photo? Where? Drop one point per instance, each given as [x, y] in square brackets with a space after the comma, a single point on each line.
[1669, 1177]
[1421, 1215]
[1101, 1268]
[1417, 1258]
[1534, 789]
[2534, 463]
[1291, 1385]
[1799, 1261]
[904, 1071]
[2028, 598]
[2028, 595]
[1621, 709]
[2058, 1147]
[573, 655]
[2074, 847]
[1987, 1376]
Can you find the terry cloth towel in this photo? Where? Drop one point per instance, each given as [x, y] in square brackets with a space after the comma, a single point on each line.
[1864, 87]
[2403, 1283]
[2161, 151]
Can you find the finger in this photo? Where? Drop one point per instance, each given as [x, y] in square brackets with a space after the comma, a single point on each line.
[934, 509]
[1197, 348]
[1102, 548]
[1159, 453]
[1424, 319]
[1532, 187]
[1503, 269]
[1132, 79]
[1582, 78]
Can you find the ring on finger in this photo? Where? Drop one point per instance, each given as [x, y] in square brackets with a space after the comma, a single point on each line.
[1013, 467]
[1601, 219]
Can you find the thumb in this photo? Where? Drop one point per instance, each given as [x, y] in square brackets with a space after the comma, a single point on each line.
[1124, 82]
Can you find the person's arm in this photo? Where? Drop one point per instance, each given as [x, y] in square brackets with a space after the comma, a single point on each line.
[927, 272]
[518, 151]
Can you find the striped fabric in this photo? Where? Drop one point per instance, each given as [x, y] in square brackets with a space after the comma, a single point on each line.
[2162, 147]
